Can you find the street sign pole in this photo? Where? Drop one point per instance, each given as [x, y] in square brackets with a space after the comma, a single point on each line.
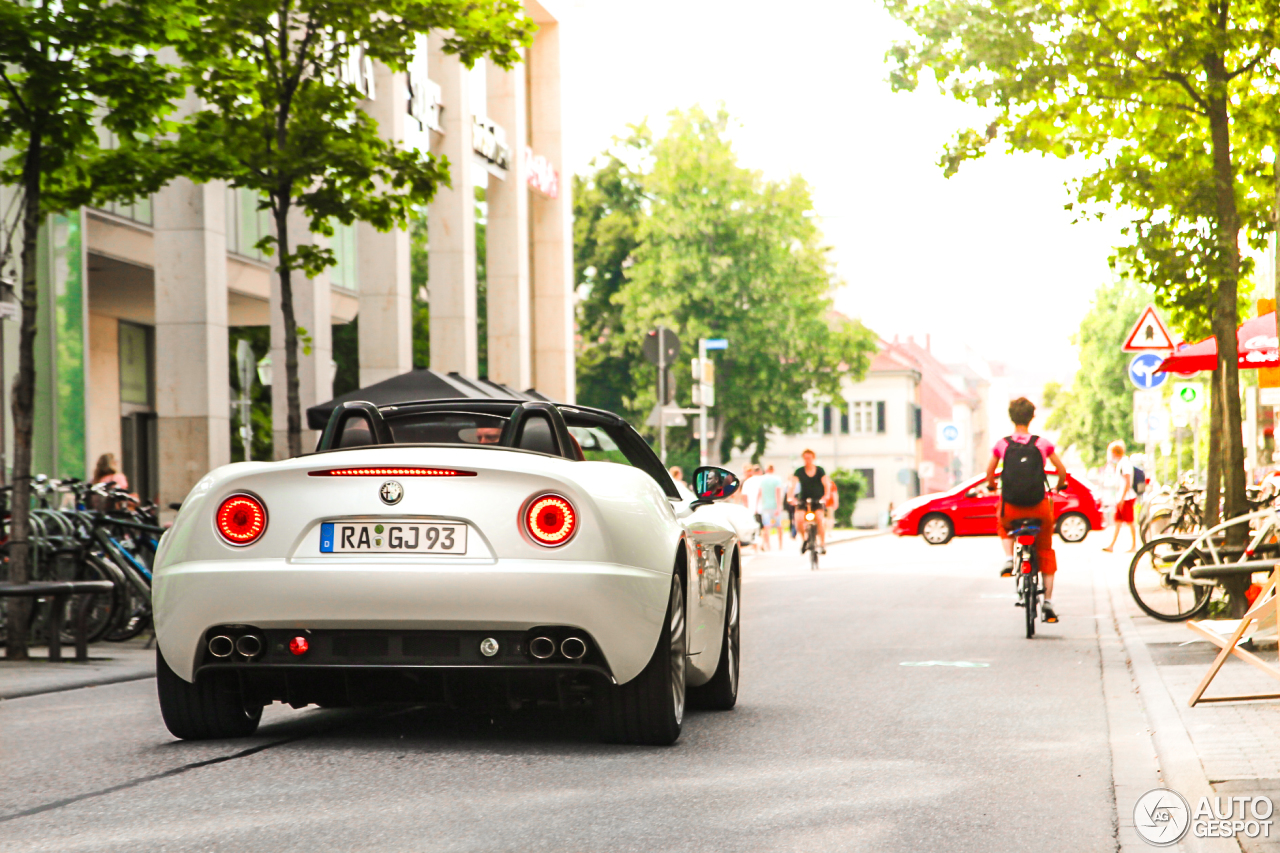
[662, 393]
[705, 392]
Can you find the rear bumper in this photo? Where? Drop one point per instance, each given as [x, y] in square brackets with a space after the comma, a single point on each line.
[621, 607]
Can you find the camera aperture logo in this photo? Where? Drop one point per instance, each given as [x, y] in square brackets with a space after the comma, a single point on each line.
[1162, 817]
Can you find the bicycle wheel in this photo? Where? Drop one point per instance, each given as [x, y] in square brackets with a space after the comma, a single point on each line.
[813, 557]
[1029, 603]
[103, 607]
[1160, 595]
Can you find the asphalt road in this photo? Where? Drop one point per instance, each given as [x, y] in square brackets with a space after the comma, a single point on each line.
[835, 744]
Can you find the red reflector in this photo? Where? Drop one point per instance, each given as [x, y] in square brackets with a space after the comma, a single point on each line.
[1026, 568]
[299, 645]
[241, 519]
[1026, 540]
[392, 472]
[551, 520]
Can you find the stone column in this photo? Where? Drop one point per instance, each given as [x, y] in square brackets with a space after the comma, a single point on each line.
[451, 224]
[507, 238]
[312, 312]
[552, 220]
[192, 390]
[382, 259]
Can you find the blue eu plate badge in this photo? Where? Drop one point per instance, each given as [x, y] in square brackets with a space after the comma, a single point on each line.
[326, 538]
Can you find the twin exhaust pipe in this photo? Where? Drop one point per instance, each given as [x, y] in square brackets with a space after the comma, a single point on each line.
[573, 648]
[249, 646]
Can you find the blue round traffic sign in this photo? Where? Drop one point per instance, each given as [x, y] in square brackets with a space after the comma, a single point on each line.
[1142, 371]
[951, 432]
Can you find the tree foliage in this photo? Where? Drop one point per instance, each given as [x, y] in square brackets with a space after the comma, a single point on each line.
[281, 116]
[1162, 97]
[675, 231]
[83, 106]
[1098, 407]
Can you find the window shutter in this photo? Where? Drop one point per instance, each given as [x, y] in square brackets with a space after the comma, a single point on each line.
[919, 422]
[844, 420]
[826, 420]
[880, 416]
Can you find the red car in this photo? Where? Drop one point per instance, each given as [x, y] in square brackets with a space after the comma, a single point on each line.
[968, 510]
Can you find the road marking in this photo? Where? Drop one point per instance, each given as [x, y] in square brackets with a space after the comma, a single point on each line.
[959, 663]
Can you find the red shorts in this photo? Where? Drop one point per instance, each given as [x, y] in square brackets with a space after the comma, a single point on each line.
[1124, 511]
[1008, 517]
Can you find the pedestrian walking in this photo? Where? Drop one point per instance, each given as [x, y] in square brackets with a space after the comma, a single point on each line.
[1118, 480]
[771, 506]
[677, 474]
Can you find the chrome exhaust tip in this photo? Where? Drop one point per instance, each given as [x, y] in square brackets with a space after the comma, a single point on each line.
[221, 646]
[574, 648]
[542, 647]
[250, 645]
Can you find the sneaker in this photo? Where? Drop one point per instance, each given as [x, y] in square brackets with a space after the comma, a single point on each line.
[821, 550]
[804, 545]
[1007, 570]
[1049, 614]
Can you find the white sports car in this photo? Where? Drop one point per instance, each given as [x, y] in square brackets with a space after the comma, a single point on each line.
[451, 551]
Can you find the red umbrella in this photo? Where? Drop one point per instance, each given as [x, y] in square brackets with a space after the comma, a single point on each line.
[1257, 344]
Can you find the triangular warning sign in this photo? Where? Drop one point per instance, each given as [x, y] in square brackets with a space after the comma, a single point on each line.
[1148, 334]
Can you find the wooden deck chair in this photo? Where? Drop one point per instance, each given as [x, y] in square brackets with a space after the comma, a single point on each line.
[1259, 622]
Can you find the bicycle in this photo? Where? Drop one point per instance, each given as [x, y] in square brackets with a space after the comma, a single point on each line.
[810, 534]
[1173, 578]
[1027, 561]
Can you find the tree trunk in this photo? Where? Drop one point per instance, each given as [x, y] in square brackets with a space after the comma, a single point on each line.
[293, 418]
[1213, 480]
[24, 390]
[1225, 314]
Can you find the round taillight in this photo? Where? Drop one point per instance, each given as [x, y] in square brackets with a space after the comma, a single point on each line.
[241, 519]
[551, 520]
[299, 645]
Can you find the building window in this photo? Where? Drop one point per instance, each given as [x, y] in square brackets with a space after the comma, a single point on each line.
[826, 420]
[135, 365]
[915, 421]
[139, 210]
[343, 243]
[246, 224]
[866, 417]
[844, 421]
[868, 474]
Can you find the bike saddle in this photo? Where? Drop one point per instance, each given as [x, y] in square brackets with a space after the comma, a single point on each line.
[1026, 528]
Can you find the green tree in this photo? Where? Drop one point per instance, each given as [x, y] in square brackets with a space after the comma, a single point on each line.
[718, 252]
[1155, 92]
[1098, 408]
[281, 118]
[74, 75]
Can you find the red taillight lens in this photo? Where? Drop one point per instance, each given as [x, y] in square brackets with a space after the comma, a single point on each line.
[551, 520]
[392, 472]
[299, 645]
[241, 519]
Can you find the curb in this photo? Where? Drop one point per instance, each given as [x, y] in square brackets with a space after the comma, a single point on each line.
[118, 678]
[870, 534]
[1179, 763]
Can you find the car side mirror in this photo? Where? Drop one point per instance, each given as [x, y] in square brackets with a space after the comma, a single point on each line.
[713, 484]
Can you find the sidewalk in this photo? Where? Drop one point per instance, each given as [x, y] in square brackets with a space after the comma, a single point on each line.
[108, 663]
[1230, 749]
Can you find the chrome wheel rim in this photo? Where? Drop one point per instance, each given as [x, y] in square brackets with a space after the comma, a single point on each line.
[1074, 528]
[935, 530]
[677, 650]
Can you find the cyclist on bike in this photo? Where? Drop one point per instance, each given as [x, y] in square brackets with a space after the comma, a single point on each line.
[1023, 495]
[810, 483]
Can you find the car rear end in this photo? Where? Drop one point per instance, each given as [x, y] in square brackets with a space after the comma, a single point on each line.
[385, 573]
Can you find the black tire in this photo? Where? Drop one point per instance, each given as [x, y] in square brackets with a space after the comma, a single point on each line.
[1156, 526]
[1073, 527]
[213, 707]
[1029, 603]
[649, 709]
[1151, 588]
[721, 692]
[936, 529]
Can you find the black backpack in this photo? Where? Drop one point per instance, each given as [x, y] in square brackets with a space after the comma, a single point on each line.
[1022, 483]
[1139, 480]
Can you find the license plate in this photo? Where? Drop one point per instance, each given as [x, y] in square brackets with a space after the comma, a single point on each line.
[392, 537]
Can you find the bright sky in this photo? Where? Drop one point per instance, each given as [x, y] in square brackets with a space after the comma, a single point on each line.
[988, 258]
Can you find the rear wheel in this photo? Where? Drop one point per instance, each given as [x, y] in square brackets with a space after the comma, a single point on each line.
[721, 692]
[937, 529]
[213, 707]
[1029, 603]
[1157, 590]
[649, 709]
